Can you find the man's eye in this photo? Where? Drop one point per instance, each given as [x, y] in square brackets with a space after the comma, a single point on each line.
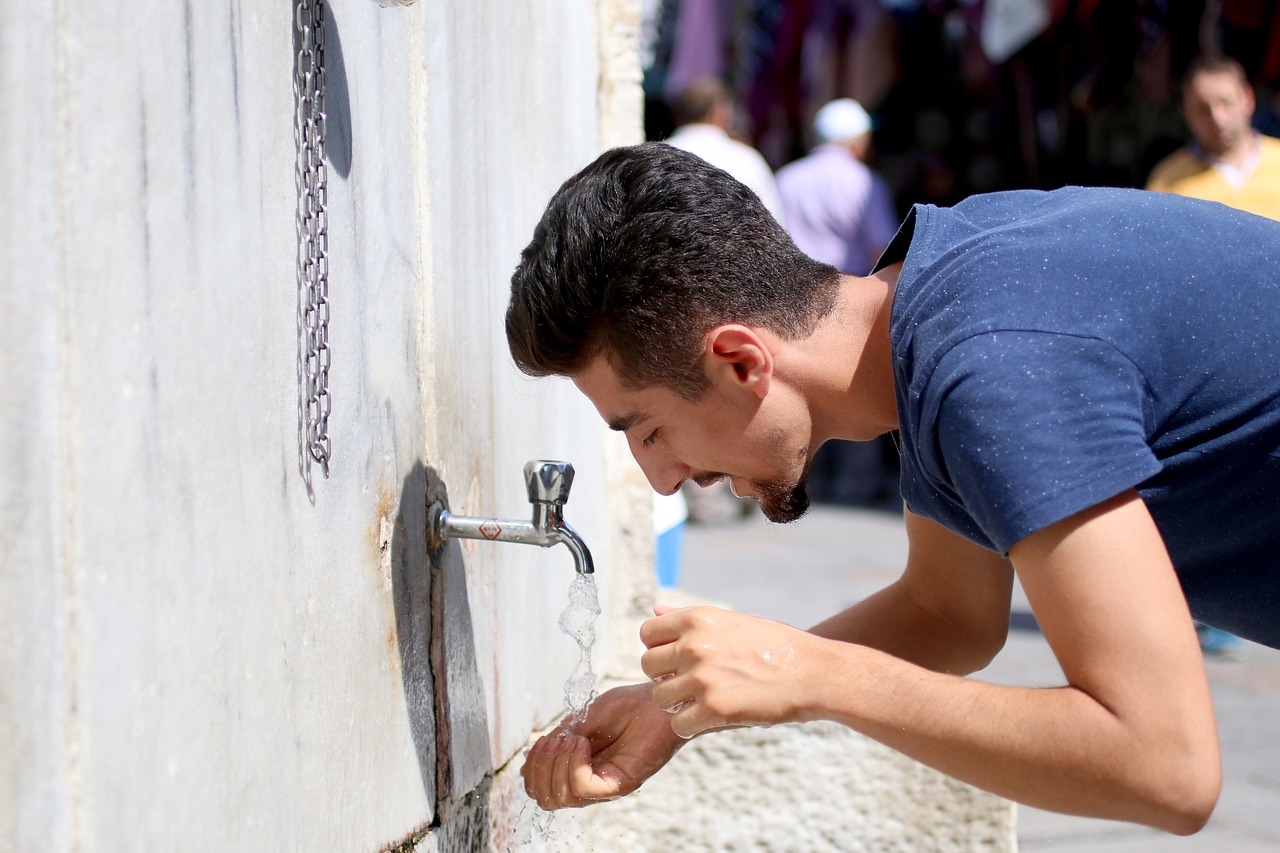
[650, 438]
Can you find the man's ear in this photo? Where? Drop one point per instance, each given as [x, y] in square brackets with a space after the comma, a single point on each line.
[737, 354]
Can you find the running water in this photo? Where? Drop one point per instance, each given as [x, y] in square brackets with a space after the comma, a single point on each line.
[579, 621]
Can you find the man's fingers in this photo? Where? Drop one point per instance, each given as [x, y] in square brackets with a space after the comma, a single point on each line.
[589, 785]
[660, 630]
[539, 765]
[567, 747]
[671, 694]
[692, 720]
[670, 623]
[659, 662]
[558, 774]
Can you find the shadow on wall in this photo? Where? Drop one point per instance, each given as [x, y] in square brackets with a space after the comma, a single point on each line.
[443, 691]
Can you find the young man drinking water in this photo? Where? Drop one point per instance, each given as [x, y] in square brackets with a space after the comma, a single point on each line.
[1086, 384]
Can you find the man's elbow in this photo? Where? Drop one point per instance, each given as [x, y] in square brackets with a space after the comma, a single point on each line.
[976, 649]
[1190, 816]
[1187, 797]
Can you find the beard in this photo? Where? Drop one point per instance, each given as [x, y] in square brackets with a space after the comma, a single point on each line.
[782, 503]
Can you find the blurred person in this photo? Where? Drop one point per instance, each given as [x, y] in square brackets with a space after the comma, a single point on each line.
[1063, 417]
[838, 210]
[1227, 160]
[704, 116]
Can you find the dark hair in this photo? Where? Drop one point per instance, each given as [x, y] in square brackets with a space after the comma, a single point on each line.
[1214, 63]
[643, 252]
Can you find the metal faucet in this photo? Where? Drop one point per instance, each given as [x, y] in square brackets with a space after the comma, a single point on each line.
[548, 484]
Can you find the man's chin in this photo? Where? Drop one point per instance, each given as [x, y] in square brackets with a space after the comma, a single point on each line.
[782, 504]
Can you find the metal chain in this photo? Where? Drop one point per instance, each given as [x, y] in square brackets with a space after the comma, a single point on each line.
[312, 179]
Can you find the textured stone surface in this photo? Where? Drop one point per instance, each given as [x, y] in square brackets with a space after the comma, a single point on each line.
[802, 788]
[817, 787]
[199, 649]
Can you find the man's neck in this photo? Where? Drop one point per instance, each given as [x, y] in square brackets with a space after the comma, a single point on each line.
[1239, 156]
[847, 362]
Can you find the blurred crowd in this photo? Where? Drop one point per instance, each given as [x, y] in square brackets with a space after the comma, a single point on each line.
[969, 95]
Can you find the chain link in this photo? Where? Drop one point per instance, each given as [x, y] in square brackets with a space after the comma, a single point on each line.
[312, 178]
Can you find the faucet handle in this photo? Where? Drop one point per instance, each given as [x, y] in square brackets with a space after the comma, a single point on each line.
[548, 481]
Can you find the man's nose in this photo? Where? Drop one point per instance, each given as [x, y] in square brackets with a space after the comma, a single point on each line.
[664, 473]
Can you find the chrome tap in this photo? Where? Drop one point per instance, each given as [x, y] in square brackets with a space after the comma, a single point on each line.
[548, 485]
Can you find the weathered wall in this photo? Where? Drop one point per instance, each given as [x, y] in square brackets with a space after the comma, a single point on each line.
[197, 650]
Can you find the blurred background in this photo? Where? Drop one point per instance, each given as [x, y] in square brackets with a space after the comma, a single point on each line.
[967, 96]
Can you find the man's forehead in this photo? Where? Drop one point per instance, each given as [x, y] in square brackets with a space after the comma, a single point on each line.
[1214, 82]
[617, 405]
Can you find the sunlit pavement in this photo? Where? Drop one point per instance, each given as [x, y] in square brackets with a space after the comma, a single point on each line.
[803, 572]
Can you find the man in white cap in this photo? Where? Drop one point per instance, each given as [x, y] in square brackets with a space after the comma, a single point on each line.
[840, 212]
[837, 209]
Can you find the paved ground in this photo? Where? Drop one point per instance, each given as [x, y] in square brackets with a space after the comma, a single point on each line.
[803, 572]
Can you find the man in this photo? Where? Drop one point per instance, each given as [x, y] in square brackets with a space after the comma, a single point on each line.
[1087, 387]
[841, 212]
[1227, 161]
[704, 116]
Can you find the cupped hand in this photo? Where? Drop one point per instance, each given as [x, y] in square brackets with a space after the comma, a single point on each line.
[715, 669]
[624, 739]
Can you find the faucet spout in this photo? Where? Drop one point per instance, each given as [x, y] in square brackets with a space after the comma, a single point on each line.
[564, 533]
[548, 485]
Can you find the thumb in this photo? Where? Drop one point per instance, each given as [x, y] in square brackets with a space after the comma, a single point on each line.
[664, 609]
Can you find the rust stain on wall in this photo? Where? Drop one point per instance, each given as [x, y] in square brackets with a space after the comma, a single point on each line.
[382, 541]
[378, 534]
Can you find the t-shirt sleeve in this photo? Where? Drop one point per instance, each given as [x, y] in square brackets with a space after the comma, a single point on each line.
[1028, 428]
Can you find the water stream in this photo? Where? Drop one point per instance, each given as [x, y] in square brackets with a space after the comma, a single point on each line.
[577, 621]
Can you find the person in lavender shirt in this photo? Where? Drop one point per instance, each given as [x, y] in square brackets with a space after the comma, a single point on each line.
[837, 209]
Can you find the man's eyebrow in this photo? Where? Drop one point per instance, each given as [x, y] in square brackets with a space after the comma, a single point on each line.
[625, 422]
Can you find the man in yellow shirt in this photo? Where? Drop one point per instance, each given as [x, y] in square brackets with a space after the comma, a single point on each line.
[1228, 161]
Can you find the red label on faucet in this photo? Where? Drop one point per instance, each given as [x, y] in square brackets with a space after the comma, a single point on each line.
[490, 529]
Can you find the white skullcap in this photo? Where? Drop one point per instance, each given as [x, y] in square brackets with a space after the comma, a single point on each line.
[841, 120]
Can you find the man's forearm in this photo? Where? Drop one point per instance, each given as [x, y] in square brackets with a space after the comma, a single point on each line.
[1056, 748]
[1131, 736]
[893, 622]
[949, 611]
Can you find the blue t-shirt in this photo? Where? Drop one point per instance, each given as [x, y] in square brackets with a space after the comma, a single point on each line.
[1052, 350]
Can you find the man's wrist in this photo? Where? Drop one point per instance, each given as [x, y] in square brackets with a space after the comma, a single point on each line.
[833, 664]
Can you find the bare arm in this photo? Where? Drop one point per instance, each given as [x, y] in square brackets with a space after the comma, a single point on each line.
[949, 611]
[1131, 736]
